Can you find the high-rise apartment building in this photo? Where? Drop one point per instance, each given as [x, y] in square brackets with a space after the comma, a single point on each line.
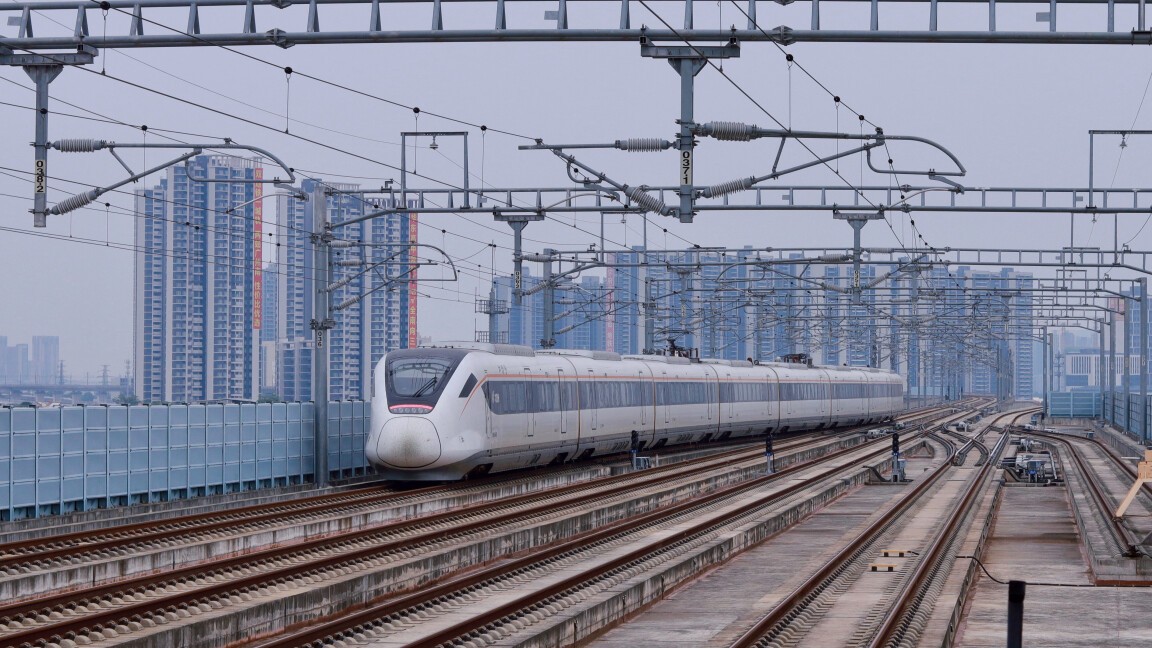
[38, 364]
[740, 304]
[15, 367]
[1002, 302]
[45, 359]
[197, 282]
[372, 296]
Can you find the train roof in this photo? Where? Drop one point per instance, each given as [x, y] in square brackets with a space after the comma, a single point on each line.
[528, 352]
[583, 353]
[494, 349]
[659, 358]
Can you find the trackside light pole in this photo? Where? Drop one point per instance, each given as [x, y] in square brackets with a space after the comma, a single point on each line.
[897, 470]
[768, 453]
[1143, 332]
[320, 324]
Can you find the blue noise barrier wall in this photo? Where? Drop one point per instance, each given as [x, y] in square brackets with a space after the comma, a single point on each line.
[63, 459]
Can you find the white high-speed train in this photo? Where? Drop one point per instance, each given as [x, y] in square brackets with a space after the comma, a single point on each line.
[441, 413]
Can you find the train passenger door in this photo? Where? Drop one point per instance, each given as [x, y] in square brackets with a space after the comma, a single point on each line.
[711, 383]
[562, 400]
[664, 397]
[529, 402]
[789, 391]
[731, 395]
[829, 398]
[708, 397]
[590, 391]
[489, 431]
[640, 392]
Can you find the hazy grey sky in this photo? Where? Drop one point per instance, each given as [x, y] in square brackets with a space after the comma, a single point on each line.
[1015, 115]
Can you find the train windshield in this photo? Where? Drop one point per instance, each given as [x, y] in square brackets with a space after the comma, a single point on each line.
[419, 376]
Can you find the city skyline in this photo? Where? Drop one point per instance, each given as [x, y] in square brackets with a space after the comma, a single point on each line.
[37, 363]
[727, 305]
[1047, 149]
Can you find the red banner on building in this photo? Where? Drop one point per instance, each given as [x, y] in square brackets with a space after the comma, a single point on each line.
[258, 252]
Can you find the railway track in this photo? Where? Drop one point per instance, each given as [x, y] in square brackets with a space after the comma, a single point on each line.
[605, 559]
[400, 621]
[106, 612]
[21, 556]
[162, 544]
[899, 610]
[150, 545]
[1098, 475]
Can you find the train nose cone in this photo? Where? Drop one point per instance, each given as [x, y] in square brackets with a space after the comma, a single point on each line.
[408, 442]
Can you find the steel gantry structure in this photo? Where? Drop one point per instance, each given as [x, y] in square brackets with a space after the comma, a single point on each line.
[150, 24]
[615, 24]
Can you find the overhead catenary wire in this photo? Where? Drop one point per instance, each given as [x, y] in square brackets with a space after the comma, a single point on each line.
[264, 126]
[764, 110]
[236, 263]
[321, 79]
[483, 128]
[337, 149]
[665, 232]
[837, 100]
[209, 228]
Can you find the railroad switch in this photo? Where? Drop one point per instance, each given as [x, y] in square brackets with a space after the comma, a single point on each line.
[882, 567]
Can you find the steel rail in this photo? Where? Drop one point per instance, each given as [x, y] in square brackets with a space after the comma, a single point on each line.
[653, 476]
[1120, 533]
[1127, 468]
[48, 548]
[620, 484]
[319, 632]
[787, 608]
[895, 622]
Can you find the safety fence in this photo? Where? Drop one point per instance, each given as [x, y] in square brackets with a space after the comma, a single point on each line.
[63, 459]
[1127, 412]
[1074, 404]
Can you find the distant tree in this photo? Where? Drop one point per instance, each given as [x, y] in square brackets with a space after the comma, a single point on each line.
[127, 399]
[27, 404]
[269, 397]
[87, 397]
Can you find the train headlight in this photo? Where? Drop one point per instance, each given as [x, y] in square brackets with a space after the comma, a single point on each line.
[410, 409]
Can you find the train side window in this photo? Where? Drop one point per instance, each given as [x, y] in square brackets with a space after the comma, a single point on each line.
[501, 398]
[468, 386]
[516, 396]
[587, 395]
[550, 396]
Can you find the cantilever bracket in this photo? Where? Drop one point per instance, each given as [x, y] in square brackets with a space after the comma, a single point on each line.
[932, 175]
[92, 145]
[741, 132]
[244, 147]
